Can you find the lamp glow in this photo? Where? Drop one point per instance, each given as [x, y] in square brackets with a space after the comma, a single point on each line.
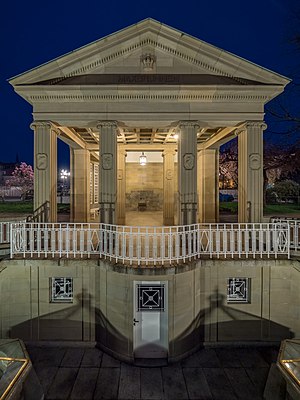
[143, 159]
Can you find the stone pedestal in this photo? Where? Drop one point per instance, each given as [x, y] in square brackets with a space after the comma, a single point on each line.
[45, 167]
[169, 186]
[187, 172]
[208, 185]
[121, 175]
[250, 171]
[80, 185]
[107, 171]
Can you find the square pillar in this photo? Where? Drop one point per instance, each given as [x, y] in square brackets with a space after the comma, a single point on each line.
[107, 171]
[45, 167]
[250, 172]
[187, 172]
[121, 164]
[80, 185]
[208, 185]
[169, 186]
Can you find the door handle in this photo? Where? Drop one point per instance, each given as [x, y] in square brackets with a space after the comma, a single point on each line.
[135, 321]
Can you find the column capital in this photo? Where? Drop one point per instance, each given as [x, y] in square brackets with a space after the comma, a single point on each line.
[107, 124]
[256, 124]
[168, 151]
[41, 124]
[188, 124]
[261, 125]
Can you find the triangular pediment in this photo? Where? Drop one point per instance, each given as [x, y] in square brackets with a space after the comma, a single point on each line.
[170, 52]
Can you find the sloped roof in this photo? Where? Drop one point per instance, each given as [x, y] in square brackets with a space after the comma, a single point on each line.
[194, 54]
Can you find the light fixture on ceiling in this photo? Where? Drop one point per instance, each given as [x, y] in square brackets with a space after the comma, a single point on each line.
[143, 159]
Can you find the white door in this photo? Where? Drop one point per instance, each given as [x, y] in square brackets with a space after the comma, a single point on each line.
[150, 319]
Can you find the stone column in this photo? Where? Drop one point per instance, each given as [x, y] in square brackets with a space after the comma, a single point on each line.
[187, 172]
[208, 185]
[169, 187]
[45, 167]
[121, 164]
[107, 170]
[250, 171]
[80, 185]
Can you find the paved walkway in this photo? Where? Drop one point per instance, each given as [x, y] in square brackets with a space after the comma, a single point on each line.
[214, 373]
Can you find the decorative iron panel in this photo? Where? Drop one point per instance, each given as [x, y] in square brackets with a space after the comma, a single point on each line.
[61, 290]
[150, 297]
[238, 290]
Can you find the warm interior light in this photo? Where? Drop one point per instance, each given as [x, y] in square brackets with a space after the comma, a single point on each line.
[143, 159]
[175, 136]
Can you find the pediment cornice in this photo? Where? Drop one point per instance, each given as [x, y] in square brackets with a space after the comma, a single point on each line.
[157, 36]
[36, 94]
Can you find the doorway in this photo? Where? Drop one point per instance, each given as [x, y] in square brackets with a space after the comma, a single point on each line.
[150, 319]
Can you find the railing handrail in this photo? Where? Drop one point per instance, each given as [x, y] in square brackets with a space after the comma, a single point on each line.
[150, 244]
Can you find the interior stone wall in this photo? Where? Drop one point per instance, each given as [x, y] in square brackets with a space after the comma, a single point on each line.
[102, 309]
[144, 185]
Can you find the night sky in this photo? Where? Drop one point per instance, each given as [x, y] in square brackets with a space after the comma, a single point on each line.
[34, 32]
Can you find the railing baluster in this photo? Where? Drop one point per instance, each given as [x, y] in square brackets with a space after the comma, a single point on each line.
[147, 245]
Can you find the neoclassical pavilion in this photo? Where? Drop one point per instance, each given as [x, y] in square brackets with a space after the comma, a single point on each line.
[136, 90]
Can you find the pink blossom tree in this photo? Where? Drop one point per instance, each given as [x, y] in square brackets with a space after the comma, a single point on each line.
[22, 177]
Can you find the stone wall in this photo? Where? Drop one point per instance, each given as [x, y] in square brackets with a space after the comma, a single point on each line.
[102, 309]
[144, 186]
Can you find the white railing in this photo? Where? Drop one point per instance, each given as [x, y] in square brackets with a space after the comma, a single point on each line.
[5, 232]
[5, 228]
[150, 245]
[294, 225]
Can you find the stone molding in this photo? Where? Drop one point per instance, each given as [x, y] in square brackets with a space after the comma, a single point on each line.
[251, 124]
[209, 97]
[140, 44]
[187, 124]
[41, 124]
[107, 124]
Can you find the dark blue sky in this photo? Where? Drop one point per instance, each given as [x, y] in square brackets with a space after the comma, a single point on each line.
[34, 32]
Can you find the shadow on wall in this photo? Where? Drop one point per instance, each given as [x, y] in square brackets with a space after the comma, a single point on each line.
[235, 325]
[219, 323]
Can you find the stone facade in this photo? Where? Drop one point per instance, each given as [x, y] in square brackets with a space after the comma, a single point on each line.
[141, 87]
[102, 307]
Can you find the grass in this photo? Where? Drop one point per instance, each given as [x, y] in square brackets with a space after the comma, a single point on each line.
[229, 207]
[286, 208]
[269, 209]
[26, 207]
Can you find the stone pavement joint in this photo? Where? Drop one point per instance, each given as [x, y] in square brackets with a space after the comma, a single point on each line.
[210, 374]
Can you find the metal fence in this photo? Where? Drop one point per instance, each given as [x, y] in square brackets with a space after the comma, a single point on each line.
[294, 226]
[150, 245]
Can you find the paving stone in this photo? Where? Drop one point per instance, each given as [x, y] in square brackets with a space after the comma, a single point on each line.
[72, 357]
[242, 385]
[47, 356]
[109, 362]
[206, 358]
[196, 383]
[62, 385]
[258, 377]
[250, 358]
[275, 388]
[219, 384]
[45, 376]
[269, 354]
[173, 383]
[130, 382]
[85, 384]
[228, 358]
[92, 358]
[151, 384]
[107, 384]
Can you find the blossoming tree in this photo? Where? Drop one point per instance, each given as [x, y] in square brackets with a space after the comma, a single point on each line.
[22, 177]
